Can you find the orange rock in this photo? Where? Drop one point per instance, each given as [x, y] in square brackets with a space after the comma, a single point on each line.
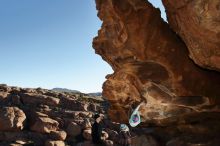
[3, 97]
[150, 63]
[43, 124]
[58, 135]
[34, 99]
[73, 129]
[11, 119]
[197, 23]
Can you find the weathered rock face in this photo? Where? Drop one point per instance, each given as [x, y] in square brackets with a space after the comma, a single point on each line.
[43, 124]
[33, 98]
[150, 64]
[58, 135]
[198, 24]
[11, 119]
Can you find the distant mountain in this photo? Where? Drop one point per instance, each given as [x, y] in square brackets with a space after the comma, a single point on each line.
[76, 91]
[95, 94]
[65, 90]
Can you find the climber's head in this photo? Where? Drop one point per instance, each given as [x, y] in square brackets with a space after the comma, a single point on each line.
[124, 127]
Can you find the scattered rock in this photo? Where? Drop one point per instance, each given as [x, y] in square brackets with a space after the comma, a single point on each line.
[4, 97]
[43, 124]
[4, 88]
[15, 100]
[58, 135]
[73, 104]
[84, 114]
[104, 135]
[54, 143]
[86, 143]
[25, 136]
[109, 143]
[83, 106]
[11, 119]
[73, 129]
[93, 107]
[46, 117]
[113, 135]
[35, 99]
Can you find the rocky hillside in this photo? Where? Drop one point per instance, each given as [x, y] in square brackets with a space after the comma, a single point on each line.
[44, 117]
[172, 68]
[40, 117]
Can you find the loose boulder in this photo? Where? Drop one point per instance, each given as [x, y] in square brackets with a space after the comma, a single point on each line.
[11, 119]
[54, 143]
[43, 124]
[58, 135]
[73, 129]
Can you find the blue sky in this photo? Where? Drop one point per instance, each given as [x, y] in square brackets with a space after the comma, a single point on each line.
[48, 43]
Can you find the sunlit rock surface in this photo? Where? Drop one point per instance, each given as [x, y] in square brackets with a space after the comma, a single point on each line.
[44, 117]
[150, 64]
[198, 24]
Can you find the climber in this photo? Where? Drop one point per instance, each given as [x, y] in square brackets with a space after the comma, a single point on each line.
[124, 136]
[97, 130]
[135, 118]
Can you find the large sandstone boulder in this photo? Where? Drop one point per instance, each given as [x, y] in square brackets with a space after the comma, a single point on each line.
[54, 143]
[35, 99]
[11, 119]
[197, 23]
[43, 124]
[113, 135]
[73, 129]
[26, 136]
[5, 88]
[109, 143]
[3, 97]
[11, 136]
[15, 100]
[58, 135]
[104, 135]
[150, 63]
[72, 103]
[84, 114]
